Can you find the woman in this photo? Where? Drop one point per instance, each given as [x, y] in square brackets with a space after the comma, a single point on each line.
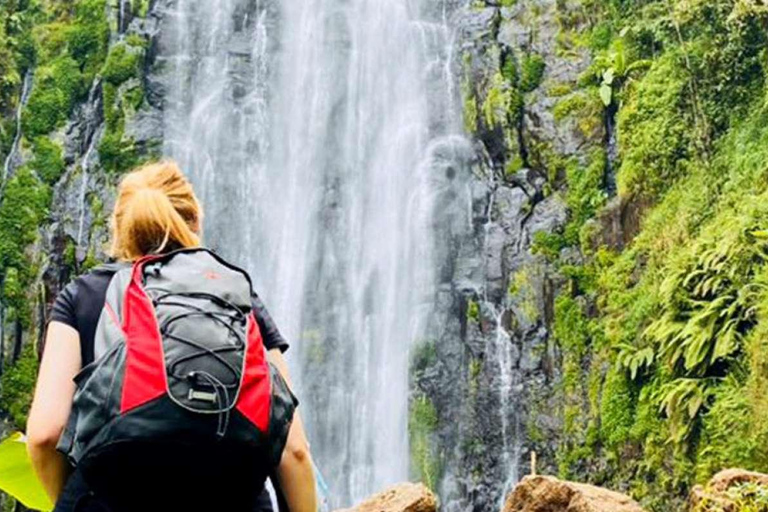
[156, 211]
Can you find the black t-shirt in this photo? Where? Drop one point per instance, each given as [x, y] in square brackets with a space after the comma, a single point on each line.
[80, 303]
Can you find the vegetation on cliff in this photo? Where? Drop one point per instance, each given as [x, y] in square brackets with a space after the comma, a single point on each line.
[64, 51]
[665, 328]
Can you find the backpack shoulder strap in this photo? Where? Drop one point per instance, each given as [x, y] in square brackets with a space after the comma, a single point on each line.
[108, 330]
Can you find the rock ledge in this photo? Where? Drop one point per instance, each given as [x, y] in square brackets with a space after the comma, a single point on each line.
[405, 497]
[548, 494]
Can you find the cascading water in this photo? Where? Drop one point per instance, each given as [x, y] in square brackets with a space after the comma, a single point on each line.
[317, 133]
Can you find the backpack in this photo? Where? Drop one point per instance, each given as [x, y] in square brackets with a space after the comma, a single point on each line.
[180, 383]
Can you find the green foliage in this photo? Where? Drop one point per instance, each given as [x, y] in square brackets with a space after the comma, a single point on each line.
[18, 477]
[58, 85]
[586, 192]
[532, 72]
[88, 35]
[141, 8]
[523, 294]
[571, 328]
[18, 384]
[549, 244]
[741, 497]
[708, 299]
[473, 311]
[676, 317]
[116, 154]
[616, 407]
[23, 209]
[122, 63]
[426, 463]
[501, 103]
[47, 162]
[585, 107]
[654, 127]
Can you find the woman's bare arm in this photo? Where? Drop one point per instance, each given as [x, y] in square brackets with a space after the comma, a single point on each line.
[295, 473]
[51, 406]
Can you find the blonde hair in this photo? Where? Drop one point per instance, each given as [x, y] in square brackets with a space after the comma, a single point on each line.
[156, 211]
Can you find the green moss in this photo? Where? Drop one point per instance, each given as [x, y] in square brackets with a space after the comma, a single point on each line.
[470, 113]
[549, 244]
[58, 85]
[532, 72]
[473, 311]
[69, 255]
[88, 36]
[509, 69]
[616, 407]
[601, 35]
[498, 102]
[23, 210]
[47, 162]
[426, 464]
[141, 8]
[654, 128]
[571, 326]
[117, 155]
[17, 386]
[522, 292]
[586, 192]
[134, 97]
[122, 63]
[559, 89]
[665, 315]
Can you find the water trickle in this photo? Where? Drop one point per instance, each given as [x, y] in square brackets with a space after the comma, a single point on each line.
[26, 88]
[315, 132]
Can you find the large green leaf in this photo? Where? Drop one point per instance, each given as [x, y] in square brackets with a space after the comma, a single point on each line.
[18, 478]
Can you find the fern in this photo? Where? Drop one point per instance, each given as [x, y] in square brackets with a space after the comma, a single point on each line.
[681, 401]
[708, 304]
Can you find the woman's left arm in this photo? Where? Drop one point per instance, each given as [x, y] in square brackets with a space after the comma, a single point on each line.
[51, 406]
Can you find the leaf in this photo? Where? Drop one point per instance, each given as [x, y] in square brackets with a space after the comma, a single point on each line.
[760, 233]
[606, 94]
[608, 76]
[17, 476]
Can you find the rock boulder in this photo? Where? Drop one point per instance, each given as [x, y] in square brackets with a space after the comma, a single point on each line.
[715, 495]
[548, 494]
[405, 497]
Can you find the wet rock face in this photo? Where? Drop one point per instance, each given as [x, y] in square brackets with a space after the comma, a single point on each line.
[82, 199]
[548, 494]
[493, 376]
[405, 497]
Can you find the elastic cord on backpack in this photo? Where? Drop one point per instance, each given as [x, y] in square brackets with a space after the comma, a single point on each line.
[220, 388]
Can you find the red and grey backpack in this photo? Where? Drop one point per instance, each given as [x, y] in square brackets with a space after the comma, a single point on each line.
[180, 379]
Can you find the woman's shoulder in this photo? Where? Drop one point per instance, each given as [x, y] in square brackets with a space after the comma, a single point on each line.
[83, 287]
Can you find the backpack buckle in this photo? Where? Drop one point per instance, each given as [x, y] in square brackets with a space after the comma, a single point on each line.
[203, 396]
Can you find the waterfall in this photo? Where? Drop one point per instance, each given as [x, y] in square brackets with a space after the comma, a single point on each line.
[317, 134]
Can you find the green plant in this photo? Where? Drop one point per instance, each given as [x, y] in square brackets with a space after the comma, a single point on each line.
[473, 311]
[47, 162]
[58, 85]
[425, 461]
[18, 384]
[532, 72]
[122, 63]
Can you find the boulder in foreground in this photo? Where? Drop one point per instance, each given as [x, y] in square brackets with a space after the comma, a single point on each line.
[405, 497]
[730, 490]
[548, 494]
